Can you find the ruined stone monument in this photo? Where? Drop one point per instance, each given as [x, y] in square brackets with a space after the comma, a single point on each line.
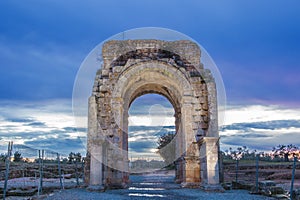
[132, 68]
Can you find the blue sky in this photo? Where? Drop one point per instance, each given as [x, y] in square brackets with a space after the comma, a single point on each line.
[255, 44]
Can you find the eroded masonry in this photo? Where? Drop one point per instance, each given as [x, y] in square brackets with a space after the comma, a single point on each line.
[173, 69]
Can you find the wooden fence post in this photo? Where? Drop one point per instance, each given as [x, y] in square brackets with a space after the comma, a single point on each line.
[257, 168]
[7, 162]
[293, 178]
[59, 171]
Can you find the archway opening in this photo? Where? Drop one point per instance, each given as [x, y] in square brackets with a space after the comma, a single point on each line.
[151, 116]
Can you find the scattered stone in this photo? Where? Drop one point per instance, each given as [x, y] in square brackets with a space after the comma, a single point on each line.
[263, 184]
[212, 188]
[227, 186]
[22, 192]
[96, 188]
[241, 185]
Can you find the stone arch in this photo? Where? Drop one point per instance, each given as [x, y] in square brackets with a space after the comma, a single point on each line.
[173, 69]
[143, 79]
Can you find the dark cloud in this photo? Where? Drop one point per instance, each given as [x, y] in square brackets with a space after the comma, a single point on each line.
[34, 134]
[28, 121]
[149, 133]
[151, 128]
[37, 124]
[21, 120]
[248, 135]
[142, 146]
[258, 143]
[73, 129]
[261, 135]
[26, 151]
[269, 125]
[62, 146]
[23, 135]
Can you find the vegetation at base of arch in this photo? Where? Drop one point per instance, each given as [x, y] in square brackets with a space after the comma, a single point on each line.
[166, 147]
[280, 153]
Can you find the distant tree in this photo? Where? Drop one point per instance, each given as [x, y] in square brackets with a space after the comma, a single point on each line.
[226, 155]
[65, 160]
[285, 151]
[166, 147]
[71, 157]
[77, 157]
[74, 157]
[266, 156]
[250, 155]
[2, 157]
[238, 153]
[17, 156]
[243, 152]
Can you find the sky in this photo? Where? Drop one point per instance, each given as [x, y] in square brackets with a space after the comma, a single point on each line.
[255, 44]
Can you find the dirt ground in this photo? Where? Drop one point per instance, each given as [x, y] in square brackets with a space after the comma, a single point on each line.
[280, 173]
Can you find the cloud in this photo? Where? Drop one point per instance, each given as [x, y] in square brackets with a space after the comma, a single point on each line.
[41, 125]
[65, 146]
[150, 120]
[50, 125]
[38, 124]
[260, 113]
[142, 140]
[19, 120]
[271, 125]
[260, 143]
[141, 146]
[151, 110]
[73, 129]
[260, 127]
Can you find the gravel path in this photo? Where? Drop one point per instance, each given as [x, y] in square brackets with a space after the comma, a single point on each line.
[183, 194]
[158, 186]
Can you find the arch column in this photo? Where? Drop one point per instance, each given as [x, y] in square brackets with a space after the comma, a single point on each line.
[179, 149]
[209, 163]
[95, 148]
[190, 160]
[96, 176]
[213, 129]
[209, 145]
